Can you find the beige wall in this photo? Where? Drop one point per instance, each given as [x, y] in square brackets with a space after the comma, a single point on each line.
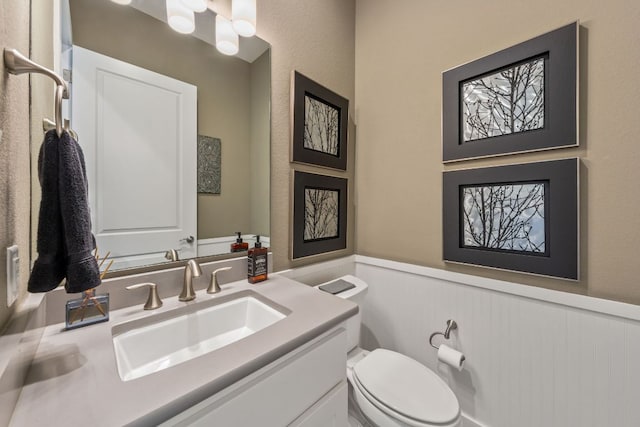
[401, 50]
[316, 38]
[14, 149]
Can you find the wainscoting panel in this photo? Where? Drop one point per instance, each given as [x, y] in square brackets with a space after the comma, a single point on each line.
[535, 357]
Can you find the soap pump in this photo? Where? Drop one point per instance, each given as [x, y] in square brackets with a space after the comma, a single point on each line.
[239, 245]
[257, 262]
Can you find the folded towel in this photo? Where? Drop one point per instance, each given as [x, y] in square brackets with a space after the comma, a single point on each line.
[48, 270]
[65, 241]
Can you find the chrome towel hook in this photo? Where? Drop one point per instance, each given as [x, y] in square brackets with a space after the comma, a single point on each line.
[451, 325]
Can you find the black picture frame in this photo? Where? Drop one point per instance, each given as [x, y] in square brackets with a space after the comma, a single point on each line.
[559, 50]
[561, 217]
[331, 140]
[306, 241]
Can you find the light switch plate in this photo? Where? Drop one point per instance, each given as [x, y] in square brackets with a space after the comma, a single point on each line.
[13, 274]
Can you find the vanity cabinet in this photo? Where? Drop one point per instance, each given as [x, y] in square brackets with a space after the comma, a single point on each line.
[305, 388]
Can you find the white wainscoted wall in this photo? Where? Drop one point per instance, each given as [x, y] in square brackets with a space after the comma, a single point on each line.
[534, 357]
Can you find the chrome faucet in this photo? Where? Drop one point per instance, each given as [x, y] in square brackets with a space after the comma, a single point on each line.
[191, 270]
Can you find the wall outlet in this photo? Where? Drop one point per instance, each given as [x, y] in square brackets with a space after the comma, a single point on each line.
[13, 274]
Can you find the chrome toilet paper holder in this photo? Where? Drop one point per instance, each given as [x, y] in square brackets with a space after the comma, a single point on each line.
[451, 325]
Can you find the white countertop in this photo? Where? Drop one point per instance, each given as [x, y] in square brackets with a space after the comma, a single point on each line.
[74, 379]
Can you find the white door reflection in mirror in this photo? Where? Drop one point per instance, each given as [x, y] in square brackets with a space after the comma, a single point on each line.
[138, 131]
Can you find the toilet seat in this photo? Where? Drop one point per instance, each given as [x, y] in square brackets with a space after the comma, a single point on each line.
[405, 390]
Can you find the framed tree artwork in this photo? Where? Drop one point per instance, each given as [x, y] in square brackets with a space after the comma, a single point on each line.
[523, 98]
[518, 217]
[319, 214]
[320, 119]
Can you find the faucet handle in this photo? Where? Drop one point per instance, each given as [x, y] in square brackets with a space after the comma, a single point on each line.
[214, 286]
[153, 300]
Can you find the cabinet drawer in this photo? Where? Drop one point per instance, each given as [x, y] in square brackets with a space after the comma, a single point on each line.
[331, 411]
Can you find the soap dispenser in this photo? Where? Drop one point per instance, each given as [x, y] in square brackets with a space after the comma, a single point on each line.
[257, 263]
[239, 245]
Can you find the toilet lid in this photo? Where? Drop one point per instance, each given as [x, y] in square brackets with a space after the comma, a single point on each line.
[406, 387]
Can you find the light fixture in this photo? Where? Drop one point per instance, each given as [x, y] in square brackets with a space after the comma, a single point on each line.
[195, 5]
[226, 38]
[180, 18]
[123, 2]
[243, 16]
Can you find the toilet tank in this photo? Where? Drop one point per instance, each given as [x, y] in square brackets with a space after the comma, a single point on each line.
[355, 294]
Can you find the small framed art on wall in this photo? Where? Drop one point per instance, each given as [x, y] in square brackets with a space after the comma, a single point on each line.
[319, 214]
[522, 217]
[320, 119]
[523, 98]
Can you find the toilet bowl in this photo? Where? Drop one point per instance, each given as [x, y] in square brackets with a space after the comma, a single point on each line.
[389, 388]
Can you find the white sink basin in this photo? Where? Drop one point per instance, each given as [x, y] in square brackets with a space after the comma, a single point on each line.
[143, 348]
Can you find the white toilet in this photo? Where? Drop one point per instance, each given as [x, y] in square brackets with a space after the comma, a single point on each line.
[391, 389]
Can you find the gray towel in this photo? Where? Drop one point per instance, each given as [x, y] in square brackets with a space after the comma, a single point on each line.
[65, 241]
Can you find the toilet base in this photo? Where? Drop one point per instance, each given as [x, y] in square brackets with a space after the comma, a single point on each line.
[356, 417]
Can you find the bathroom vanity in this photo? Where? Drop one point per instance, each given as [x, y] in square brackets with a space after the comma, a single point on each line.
[290, 372]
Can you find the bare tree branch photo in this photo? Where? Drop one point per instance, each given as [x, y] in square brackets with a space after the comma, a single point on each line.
[508, 217]
[321, 126]
[503, 103]
[320, 213]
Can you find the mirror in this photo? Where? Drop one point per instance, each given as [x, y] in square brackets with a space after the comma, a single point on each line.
[233, 106]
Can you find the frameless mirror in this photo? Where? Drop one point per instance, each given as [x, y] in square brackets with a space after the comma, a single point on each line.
[176, 135]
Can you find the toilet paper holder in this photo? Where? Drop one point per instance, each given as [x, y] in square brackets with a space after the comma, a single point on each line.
[451, 325]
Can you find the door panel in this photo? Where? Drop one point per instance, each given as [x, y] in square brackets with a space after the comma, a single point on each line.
[138, 132]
